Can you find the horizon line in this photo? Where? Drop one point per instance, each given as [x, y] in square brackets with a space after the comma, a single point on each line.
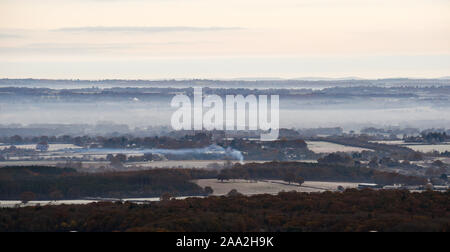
[237, 79]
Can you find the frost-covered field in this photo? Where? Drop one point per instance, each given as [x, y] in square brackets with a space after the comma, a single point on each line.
[52, 147]
[419, 147]
[17, 203]
[390, 142]
[187, 164]
[321, 147]
[269, 187]
[430, 148]
[14, 203]
[47, 163]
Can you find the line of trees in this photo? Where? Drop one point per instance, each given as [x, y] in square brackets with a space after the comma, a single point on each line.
[316, 172]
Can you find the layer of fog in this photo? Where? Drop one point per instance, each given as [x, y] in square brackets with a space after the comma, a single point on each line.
[213, 150]
[351, 115]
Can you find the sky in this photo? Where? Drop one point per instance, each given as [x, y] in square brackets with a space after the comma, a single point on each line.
[165, 39]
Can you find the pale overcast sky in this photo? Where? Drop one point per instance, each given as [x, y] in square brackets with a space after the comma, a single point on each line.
[154, 39]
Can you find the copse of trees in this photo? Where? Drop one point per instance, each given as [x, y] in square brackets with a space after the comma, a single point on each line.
[428, 137]
[349, 211]
[316, 172]
[337, 159]
[22, 172]
[291, 177]
[47, 183]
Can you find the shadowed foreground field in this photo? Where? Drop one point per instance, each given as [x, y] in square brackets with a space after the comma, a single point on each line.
[350, 211]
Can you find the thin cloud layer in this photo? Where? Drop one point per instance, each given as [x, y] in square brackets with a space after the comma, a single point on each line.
[9, 36]
[148, 29]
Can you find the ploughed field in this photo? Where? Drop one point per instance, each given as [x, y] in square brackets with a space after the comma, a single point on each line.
[273, 187]
[322, 147]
